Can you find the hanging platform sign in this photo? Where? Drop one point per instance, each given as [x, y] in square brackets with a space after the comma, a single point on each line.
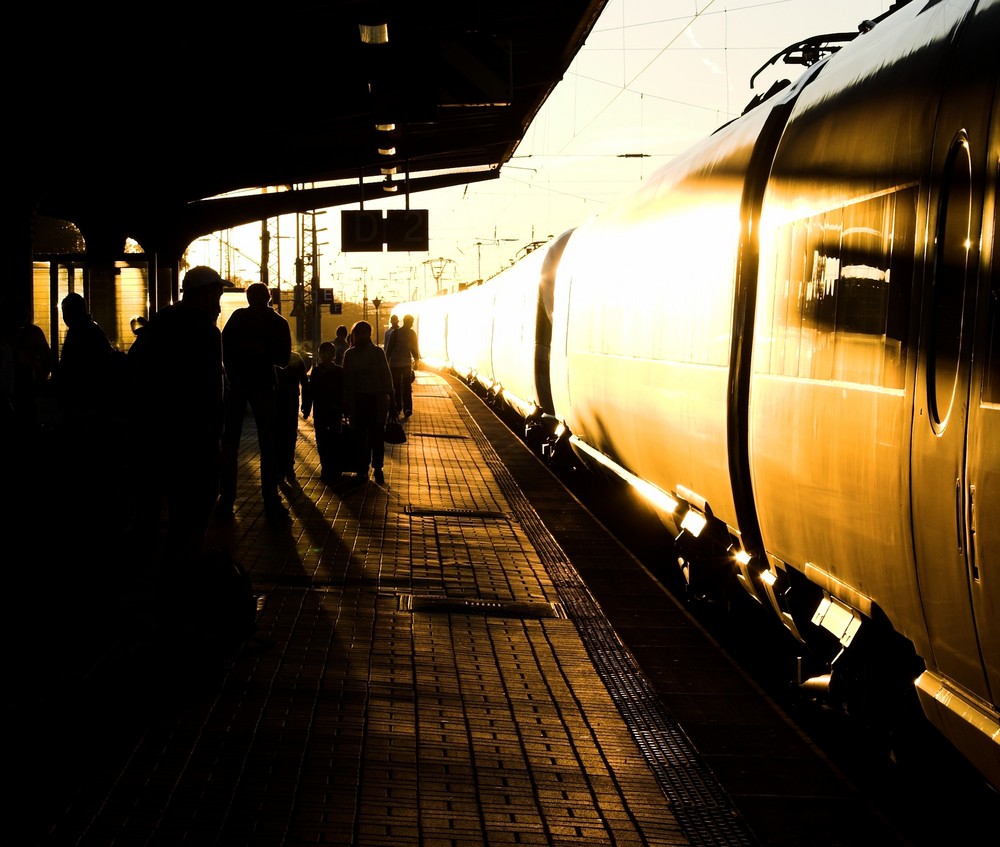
[361, 231]
[407, 229]
[401, 230]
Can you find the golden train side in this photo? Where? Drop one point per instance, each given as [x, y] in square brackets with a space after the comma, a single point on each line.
[787, 338]
[874, 438]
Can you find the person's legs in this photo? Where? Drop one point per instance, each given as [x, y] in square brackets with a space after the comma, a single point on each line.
[264, 411]
[286, 435]
[374, 423]
[376, 437]
[397, 391]
[378, 452]
[327, 446]
[365, 423]
[322, 447]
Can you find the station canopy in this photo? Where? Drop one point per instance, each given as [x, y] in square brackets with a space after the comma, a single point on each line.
[167, 121]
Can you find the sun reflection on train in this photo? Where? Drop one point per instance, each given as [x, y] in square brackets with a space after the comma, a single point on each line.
[787, 339]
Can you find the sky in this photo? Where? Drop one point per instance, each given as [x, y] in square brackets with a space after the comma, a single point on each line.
[653, 78]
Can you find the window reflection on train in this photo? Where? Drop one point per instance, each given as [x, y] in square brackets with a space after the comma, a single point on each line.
[837, 313]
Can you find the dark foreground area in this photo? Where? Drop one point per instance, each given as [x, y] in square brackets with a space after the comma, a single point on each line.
[410, 681]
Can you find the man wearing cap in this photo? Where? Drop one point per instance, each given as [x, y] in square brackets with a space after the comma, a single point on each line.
[176, 374]
[256, 340]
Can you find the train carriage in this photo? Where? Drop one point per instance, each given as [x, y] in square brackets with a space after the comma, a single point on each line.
[862, 384]
[788, 337]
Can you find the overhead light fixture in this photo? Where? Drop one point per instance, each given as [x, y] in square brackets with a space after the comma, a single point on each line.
[387, 171]
[389, 185]
[385, 127]
[387, 151]
[374, 33]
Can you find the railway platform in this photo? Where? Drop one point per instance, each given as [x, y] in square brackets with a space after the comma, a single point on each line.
[433, 666]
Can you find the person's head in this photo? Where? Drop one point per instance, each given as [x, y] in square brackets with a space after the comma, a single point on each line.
[342, 332]
[361, 333]
[407, 320]
[202, 288]
[327, 352]
[74, 309]
[394, 320]
[259, 295]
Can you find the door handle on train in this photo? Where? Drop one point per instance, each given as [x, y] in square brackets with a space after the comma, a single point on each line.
[973, 564]
[959, 515]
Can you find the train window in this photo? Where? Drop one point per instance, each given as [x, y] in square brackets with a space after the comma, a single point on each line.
[950, 280]
[991, 381]
[991, 384]
[819, 295]
[787, 319]
[840, 292]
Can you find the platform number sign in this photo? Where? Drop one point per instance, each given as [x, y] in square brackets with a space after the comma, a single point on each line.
[368, 231]
[406, 229]
[361, 231]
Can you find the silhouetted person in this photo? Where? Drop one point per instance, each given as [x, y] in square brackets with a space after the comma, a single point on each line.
[292, 395]
[30, 366]
[175, 365]
[393, 326]
[90, 373]
[403, 354]
[340, 344]
[256, 340]
[367, 391]
[326, 402]
[90, 389]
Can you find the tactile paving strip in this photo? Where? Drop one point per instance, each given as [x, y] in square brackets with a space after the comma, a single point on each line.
[697, 799]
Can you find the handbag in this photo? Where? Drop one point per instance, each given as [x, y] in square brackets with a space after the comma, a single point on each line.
[394, 433]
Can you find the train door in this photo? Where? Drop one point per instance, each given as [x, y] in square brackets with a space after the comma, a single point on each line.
[983, 466]
[940, 485]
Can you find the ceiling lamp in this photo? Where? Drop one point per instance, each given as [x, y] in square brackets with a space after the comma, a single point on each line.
[385, 127]
[389, 185]
[389, 170]
[387, 151]
[374, 33]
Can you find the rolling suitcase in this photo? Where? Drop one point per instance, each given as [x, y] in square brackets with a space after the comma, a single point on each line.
[352, 451]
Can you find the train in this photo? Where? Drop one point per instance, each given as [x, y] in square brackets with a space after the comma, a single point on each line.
[787, 340]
